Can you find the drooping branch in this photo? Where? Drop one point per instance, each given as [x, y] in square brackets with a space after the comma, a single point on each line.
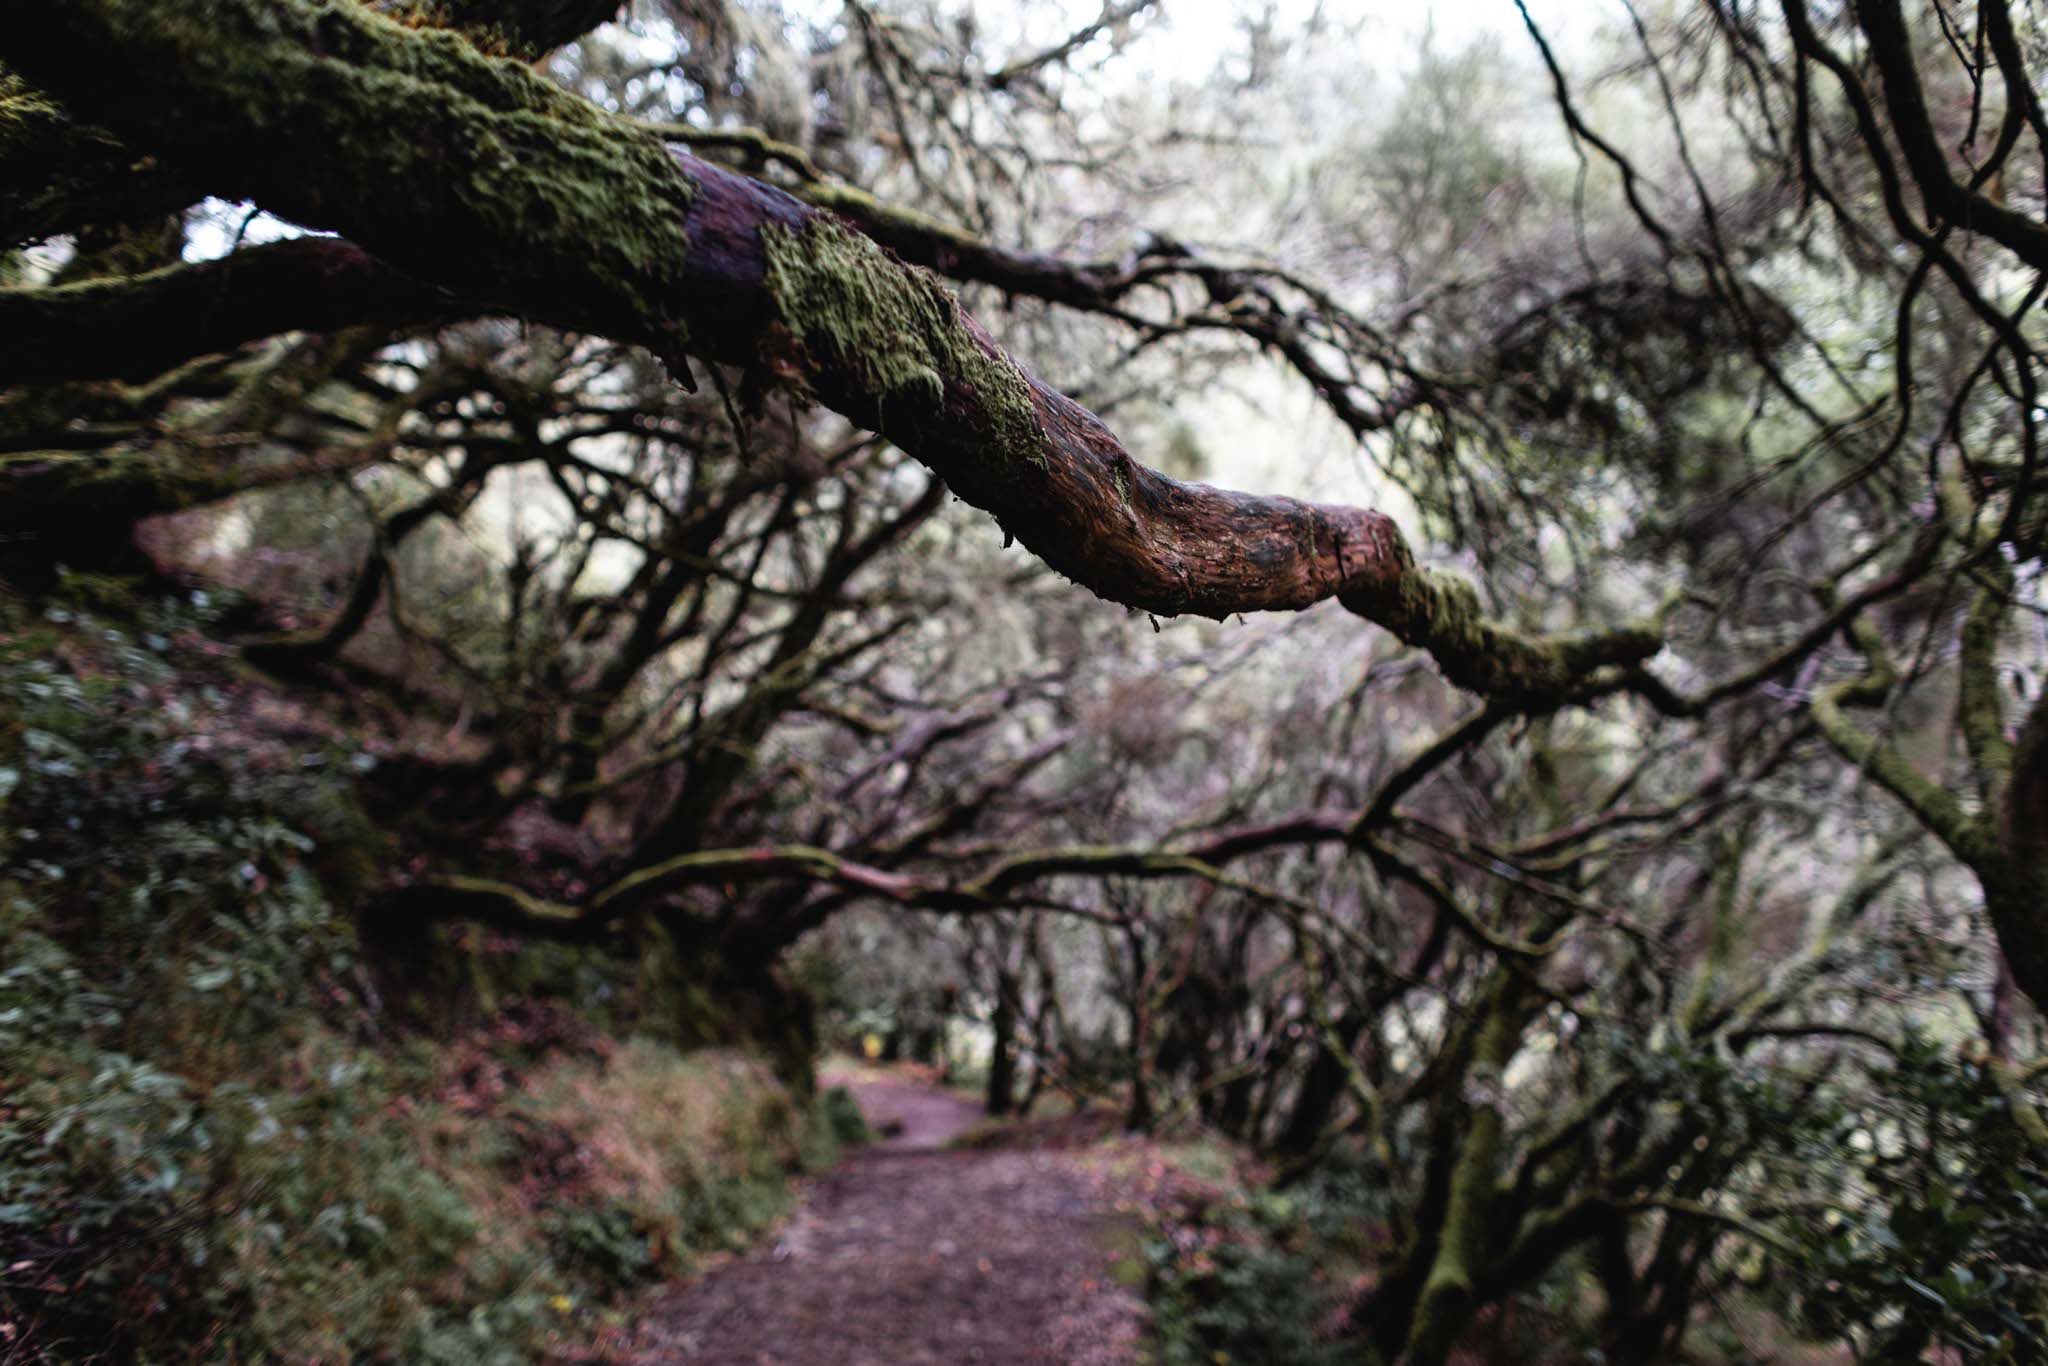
[505, 189]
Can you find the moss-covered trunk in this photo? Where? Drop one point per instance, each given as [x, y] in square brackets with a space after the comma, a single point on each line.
[1444, 1305]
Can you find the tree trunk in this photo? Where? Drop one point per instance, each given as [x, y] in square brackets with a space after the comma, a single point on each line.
[1322, 1086]
[1002, 1062]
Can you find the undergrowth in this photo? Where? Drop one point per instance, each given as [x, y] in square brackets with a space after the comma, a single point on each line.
[214, 1143]
[1254, 1279]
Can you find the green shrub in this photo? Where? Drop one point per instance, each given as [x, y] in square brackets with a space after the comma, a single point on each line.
[1237, 1302]
[1937, 1236]
[842, 1118]
[212, 1145]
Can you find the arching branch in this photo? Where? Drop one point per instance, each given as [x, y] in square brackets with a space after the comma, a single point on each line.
[510, 191]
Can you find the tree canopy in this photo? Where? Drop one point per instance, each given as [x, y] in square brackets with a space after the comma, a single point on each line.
[1637, 880]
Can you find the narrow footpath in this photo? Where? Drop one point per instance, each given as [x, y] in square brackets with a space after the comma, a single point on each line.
[911, 1253]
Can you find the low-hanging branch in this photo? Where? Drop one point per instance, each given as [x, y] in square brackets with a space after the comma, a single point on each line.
[1006, 886]
[1008, 883]
[501, 188]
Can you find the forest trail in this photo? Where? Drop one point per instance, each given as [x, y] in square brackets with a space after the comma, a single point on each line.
[911, 1253]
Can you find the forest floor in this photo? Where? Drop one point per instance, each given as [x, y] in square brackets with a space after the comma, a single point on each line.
[915, 1251]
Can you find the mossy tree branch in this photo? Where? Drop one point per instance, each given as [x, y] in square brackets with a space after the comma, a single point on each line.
[1933, 805]
[507, 190]
[2006, 843]
[1980, 714]
[136, 326]
[1443, 1310]
[58, 174]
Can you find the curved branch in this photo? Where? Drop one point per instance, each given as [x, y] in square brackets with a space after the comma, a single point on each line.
[509, 190]
[1931, 804]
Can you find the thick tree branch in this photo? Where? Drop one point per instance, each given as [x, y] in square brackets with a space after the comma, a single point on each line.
[132, 327]
[2023, 836]
[508, 190]
[57, 174]
[1980, 715]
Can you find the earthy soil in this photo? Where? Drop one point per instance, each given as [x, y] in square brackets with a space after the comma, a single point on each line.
[912, 1253]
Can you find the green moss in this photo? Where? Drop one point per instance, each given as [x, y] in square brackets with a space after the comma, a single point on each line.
[472, 171]
[828, 282]
[57, 174]
[1441, 1312]
[23, 109]
[1979, 710]
[491, 39]
[898, 332]
[523, 29]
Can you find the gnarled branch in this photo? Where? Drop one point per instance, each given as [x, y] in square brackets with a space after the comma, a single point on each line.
[508, 190]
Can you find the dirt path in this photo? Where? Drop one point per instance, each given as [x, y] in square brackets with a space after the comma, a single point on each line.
[911, 1254]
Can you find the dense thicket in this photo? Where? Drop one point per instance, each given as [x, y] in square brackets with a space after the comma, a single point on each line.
[1622, 918]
